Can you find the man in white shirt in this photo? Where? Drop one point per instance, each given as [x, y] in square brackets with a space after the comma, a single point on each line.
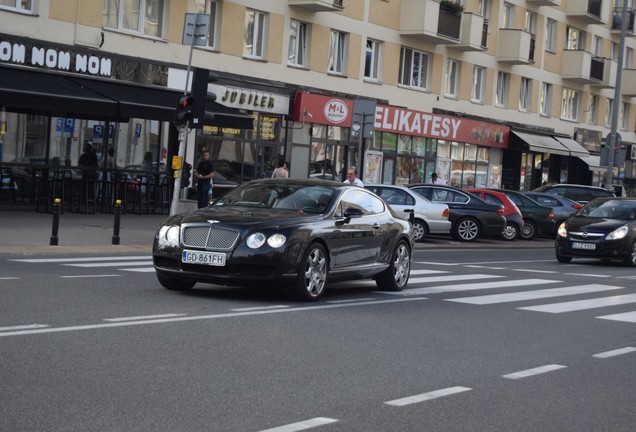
[436, 180]
[352, 178]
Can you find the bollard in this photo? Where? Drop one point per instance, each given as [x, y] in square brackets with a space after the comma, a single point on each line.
[116, 225]
[56, 222]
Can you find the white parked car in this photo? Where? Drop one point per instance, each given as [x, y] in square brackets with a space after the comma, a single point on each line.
[429, 217]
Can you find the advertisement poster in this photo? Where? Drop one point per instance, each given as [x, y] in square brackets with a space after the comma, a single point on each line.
[494, 176]
[372, 167]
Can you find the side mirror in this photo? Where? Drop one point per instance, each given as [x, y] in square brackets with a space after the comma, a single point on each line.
[411, 215]
[352, 212]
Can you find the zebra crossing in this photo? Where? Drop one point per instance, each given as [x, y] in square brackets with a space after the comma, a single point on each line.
[439, 278]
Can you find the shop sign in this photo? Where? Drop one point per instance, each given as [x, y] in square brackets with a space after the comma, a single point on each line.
[592, 140]
[251, 100]
[409, 122]
[216, 130]
[320, 109]
[53, 58]
[268, 127]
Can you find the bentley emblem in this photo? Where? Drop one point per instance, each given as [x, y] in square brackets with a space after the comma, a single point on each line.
[213, 221]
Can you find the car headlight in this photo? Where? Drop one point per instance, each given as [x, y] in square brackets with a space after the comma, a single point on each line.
[562, 231]
[168, 235]
[258, 239]
[618, 234]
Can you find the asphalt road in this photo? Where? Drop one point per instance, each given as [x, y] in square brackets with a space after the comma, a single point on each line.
[483, 339]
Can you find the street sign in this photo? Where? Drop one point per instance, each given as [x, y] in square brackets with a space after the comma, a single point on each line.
[195, 29]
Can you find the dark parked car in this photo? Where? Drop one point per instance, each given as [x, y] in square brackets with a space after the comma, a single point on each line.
[562, 207]
[514, 219]
[537, 219]
[604, 229]
[300, 233]
[580, 193]
[471, 217]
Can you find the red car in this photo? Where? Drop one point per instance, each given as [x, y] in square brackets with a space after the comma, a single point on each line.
[514, 220]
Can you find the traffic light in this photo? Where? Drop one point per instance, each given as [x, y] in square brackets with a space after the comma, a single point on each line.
[184, 113]
[203, 98]
[186, 173]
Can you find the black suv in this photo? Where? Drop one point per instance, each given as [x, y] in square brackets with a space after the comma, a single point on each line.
[579, 193]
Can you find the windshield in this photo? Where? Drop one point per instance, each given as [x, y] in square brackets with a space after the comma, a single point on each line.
[308, 199]
[611, 209]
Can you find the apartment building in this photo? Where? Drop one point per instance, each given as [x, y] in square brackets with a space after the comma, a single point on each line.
[484, 92]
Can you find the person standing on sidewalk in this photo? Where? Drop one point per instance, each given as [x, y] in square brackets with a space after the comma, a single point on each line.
[204, 174]
[281, 171]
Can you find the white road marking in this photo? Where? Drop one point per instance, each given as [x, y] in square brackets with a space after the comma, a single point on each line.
[589, 275]
[90, 276]
[614, 353]
[139, 270]
[436, 263]
[302, 425]
[535, 271]
[533, 295]
[421, 272]
[84, 259]
[486, 267]
[625, 317]
[204, 317]
[9, 278]
[583, 304]
[427, 396]
[534, 371]
[257, 308]
[452, 278]
[23, 327]
[350, 300]
[472, 286]
[112, 264]
[626, 277]
[145, 317]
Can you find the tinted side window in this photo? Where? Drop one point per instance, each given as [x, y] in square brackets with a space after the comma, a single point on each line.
[492, 199]
[515, 200]
[550, 202]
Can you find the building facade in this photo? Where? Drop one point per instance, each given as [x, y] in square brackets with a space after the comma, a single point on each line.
[484, 92]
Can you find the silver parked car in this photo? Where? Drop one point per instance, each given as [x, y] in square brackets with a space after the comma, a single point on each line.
[429, 217]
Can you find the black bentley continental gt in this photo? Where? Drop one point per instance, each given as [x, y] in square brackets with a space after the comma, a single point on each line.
[605, 228]
[300, 233]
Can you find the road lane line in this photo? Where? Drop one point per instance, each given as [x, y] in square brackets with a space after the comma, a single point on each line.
[9, 278]
[427, 396]
[351, 300]
[146, 317]
[257, 308]
[614, 353]
[535, 271]
[452, 278]
[421, 272]
[139, 270]
[589, 275]
[534, 294]
[624, 317]
[84, 259]
[23, 327]
[112, 264]
[436, 263]
[472, 286]
[204, 317]
[486, 267]
[534, 371]
[90, 276]
[302, 425]
[583, 304]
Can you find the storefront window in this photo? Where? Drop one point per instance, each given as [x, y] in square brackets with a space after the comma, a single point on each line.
[389, 141]
[457, 151]
[483, 154]
[443, 149]
[404, 144]
[470, 152]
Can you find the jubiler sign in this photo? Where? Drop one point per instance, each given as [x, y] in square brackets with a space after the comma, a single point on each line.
[417, 123]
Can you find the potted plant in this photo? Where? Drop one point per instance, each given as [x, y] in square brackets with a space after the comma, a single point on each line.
[451, 6]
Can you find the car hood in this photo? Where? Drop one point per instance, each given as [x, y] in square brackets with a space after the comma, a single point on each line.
[242, 216]
[588, 224]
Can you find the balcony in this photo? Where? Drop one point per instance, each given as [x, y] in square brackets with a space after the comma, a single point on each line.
[474, 34]
[430, 21]
[617, 15]
[628, 86]
[583, 67]
[609, 74]
[544, 2]
[515, 46]
[318, 5]
[589, 12]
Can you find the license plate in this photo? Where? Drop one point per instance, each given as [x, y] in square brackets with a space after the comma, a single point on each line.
[585, 246]
[207, 258]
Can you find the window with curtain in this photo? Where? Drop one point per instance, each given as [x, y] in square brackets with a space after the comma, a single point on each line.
[297, 52]
[524, 94]
[254, 36]
[452, 78]
[414, 67]
[479, 78]
[337, 48]
[372, 60]
[570, 100]
[144, 17]
[501, 96]
[546, 99]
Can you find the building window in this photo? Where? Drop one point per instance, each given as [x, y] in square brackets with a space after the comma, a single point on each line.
[254, 42]
[144, 17]
[524, 94]
[337, 49]
[629, 58]
[609, 110]
[501, 97]
[414, 68]
[215, 16]
[20, 5]
[597, 46]
[298, 38]
[452, 78]
[372, 60]
[546, 99]
[614, 52]
[592, 113]
[479, 78]
[484, 8]
[575, 39]
[570, 100]
[625, 116]
[550, 35]
[531, 22]
[507, 16]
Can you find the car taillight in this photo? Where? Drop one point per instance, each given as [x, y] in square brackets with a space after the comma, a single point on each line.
[551, 215]
[577, 206]
[445, 213]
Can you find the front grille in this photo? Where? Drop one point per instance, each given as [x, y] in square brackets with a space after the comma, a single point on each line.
[209, 237]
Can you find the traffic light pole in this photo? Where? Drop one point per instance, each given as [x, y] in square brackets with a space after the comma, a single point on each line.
[183, 130]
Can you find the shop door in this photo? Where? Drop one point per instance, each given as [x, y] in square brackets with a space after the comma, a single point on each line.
[330, 159]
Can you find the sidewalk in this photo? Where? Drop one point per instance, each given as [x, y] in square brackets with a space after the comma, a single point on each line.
[29, 232]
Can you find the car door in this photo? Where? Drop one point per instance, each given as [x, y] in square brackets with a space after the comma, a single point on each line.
[359, 239]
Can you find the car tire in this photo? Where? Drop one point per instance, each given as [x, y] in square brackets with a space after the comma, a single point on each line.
[510, 232]
[175, 284]
[529, 230]
[396, 276]
[313, 272]
[563, 259]
[630, 260]
[467, 229]
[420, 230]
